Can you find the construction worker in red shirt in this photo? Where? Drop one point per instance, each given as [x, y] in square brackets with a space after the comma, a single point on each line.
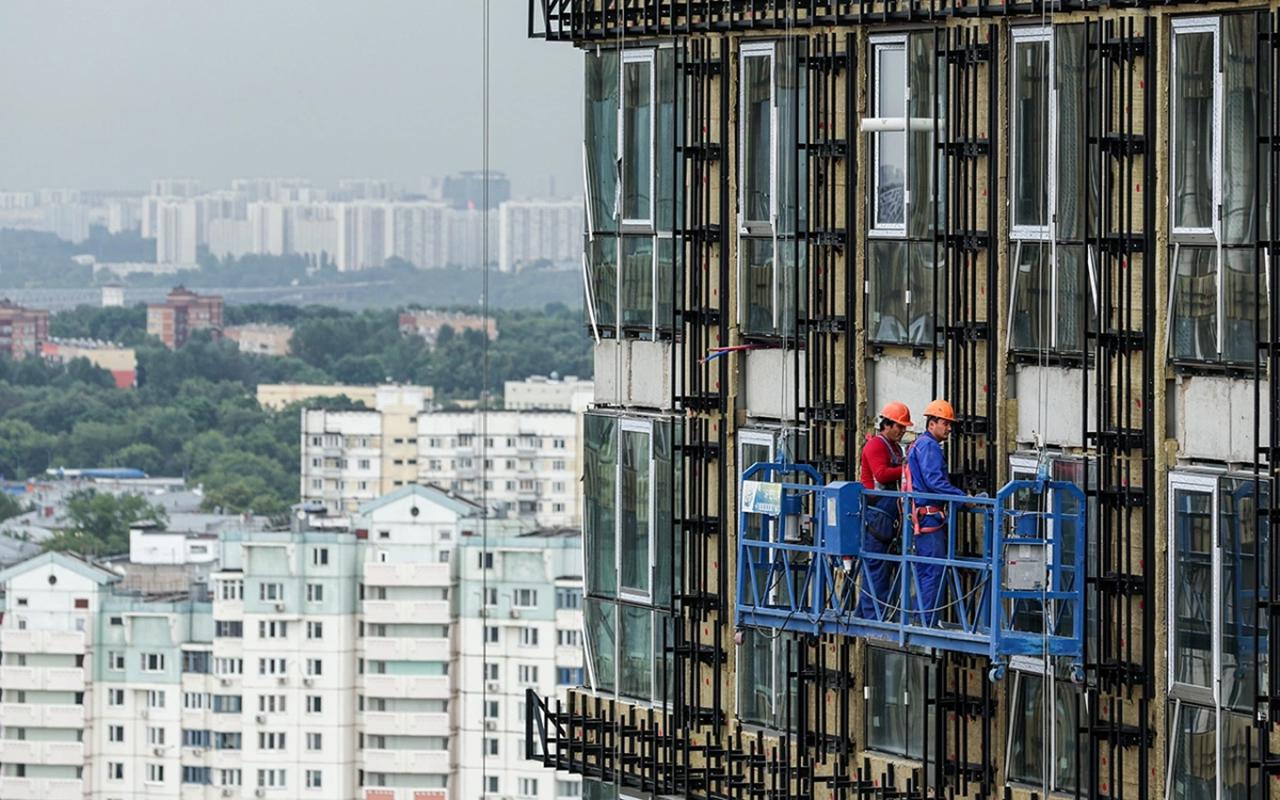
[927, 473]
[882, 463]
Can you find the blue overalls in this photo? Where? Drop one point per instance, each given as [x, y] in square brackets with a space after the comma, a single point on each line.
[928, 468]
[884, 524]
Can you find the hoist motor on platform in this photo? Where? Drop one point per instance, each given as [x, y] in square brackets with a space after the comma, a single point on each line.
[1010, 580]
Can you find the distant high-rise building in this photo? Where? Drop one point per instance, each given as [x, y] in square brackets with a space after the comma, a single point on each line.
[113, 296]
[465, 190]
[366, 189]
[277, 190]
[362, 235]
[177, 232]
[123, 214]
[538, 230]
[175, 187]
[69, 221]
[467, 238]
[183, 312]
[22, 330]
[419, 233]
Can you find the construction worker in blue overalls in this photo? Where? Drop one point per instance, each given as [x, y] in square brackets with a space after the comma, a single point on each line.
[882, 463]
[927, 473]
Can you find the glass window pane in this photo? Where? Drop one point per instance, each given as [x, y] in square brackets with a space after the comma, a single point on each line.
[600, 628]
[637, 282]
[1239, 129]
[887, 273]
[1032, 298]
[634, 511]
[923, 78]
[1239, 306]
[1192, 156]
[1241, 548]
[669, 544]
[1027, 740]
[603, 263]
[1070, 749]
[755, 678]
[751, 453]
[757, 145]
[758, 289]
[793, 296]
[890, 146]
[1239, 782]
[886, 712]
[1031, 133]
[635, 673]
[600, 458]
[1195, 305]
[669, 172]
[1075, 300]
[637, 140]
[924, 270]
[1195, 754]
[669, 282]
[792, 113]
[601, 129]
[1192, 644]
[1071, 65]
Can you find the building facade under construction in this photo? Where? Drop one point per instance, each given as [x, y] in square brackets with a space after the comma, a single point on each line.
[1063, 218]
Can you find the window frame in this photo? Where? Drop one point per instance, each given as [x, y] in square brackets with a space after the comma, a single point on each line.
[749, 50]
[649, 56]
[1024, 35]
[625, 426]
[1181, 27]
[875, 43]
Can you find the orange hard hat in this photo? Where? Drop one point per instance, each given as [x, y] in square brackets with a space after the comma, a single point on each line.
[940, 409]
[896, 412]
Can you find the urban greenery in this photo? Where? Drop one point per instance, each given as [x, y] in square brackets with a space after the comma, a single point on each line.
[195, 412]
[99, 522]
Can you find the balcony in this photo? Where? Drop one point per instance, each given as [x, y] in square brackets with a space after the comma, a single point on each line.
[13, 751]
[394, 723]
[49, 642]
[376, 648]
[433, 687]
[35, 715]
[41, 789]
[63, 679]
[406, 574]
[411, 761]
[415, 612]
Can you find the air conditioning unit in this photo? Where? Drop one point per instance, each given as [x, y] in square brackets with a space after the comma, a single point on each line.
[515, 613]
[143, 713]
[282, 680]
[199, 751]
[226, 681]
[308, 681]
[260, 719]
[492, 686]
[490, 725]
[158, 751]
[279, 606]
[260, 792]
[484, 612]
[228, 793]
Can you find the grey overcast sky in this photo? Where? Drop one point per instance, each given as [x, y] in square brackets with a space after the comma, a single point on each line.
[107, 95]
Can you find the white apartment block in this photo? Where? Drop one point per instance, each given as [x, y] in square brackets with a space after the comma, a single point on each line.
[524, 462]
[177, 232]
[362, 235]
[341, 458]
[385, 661]
[537, 230]
[175, 187]
[352, 457]
[418, 233]
[569, 393]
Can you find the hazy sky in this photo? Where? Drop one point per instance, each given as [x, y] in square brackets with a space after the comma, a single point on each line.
[107, 95]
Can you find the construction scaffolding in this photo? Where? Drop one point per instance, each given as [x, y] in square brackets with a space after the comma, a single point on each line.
[984, 201]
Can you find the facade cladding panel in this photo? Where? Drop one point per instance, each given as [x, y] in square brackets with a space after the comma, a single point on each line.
[1062, 220]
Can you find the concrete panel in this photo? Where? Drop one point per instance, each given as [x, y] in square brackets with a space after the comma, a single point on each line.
[607, 354]
[1214, 418]
[771, 383]
[907, 380]
[649, 374]
[1049, 405]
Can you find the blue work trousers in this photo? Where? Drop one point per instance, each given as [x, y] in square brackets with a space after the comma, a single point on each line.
[929, 576]
[883, 529]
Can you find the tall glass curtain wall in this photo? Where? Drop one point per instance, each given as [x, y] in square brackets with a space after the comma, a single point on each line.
[1217, 108]
[907, 206]
[632, 554]
[1054, 185]
[1214, 531]
[632, 177]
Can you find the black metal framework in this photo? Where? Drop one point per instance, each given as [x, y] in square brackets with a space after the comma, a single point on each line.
[1266, 466]
[1122, 679]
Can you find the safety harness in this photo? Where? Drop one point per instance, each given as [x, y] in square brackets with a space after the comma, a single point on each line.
[916, 512]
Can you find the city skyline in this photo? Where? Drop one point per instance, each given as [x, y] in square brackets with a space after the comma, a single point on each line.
[352, 94]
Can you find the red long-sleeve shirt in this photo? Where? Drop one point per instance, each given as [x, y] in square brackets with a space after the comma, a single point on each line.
[878, 463]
